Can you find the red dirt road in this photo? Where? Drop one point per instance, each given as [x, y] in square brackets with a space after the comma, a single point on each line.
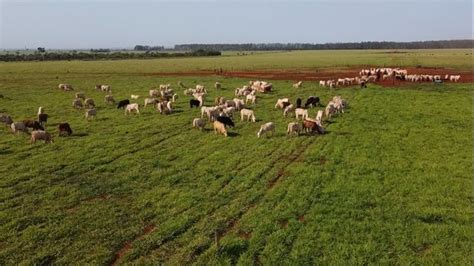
[315, 75]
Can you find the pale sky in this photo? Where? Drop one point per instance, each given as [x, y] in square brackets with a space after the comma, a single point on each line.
[74, 24]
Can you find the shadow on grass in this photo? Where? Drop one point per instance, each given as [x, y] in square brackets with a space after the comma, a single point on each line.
[80, 134]
[233, 134]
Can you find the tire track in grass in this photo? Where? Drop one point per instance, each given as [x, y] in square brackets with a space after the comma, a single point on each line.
[211, 211]
[296, 154]
[273, 182]
[233, 223]
[128, 245]
[300, 217]
[137, 150]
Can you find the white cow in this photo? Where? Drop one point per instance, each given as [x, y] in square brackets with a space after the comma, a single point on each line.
[132, 107]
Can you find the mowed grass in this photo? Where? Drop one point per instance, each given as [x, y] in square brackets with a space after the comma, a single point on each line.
[390, 183]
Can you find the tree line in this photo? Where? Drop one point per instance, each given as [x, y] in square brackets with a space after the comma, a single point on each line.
[443, 44]
[97, 55]
[148, 48]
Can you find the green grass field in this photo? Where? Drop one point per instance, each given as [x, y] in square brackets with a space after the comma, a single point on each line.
[390, 183]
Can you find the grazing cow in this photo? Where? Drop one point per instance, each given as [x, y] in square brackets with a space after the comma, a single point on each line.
[312, 126]
[319, 116]
[80, 95]
[89, 103]
[169, 107]
[229, 111]
[41, 135]
[123, 103]
[294, 127]
[301, 112]
[77, 103]
[454, 78]
[219, 100]
[109, 99]
[229, 103]
[199, 123]
[200, 88]
[201, 100]
[298, 103]
[105, 88]
[132, 107]
[250, 98]
[239, 104]
[164, 87]
[219, 128]
[226, 121]
[312, 101]
[211, 112]
[322, 83]
[194, 103]
[35, 125]
[247, 114]
[189, 92]
[154, 93]
[298, 84]
[64, 129]
[43, 119]
[265, 128]
[90, 113]
[18, 127]
[282, 102]
[288, 110]
[148, 101]
[161, 107]
[65, 87]
[330, 110]
[6, 119]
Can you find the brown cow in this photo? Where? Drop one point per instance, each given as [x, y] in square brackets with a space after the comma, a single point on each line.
[312, 126]
[64, 129]
[35, 125]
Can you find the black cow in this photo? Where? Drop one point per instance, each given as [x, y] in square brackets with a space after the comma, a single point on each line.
[35, 125]
[226, 121]
[123, 103]
[312, 101]
[42, 119]
[194, 103]
[298, 103]
[64, 128]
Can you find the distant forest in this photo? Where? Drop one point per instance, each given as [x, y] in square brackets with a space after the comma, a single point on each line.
[41, 54]
[447, 44]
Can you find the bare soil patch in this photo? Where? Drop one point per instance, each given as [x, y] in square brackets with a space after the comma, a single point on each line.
[317, 74]
[128, 245]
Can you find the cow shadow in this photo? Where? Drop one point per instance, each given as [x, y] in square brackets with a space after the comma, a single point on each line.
[233, 134]
[79, 135]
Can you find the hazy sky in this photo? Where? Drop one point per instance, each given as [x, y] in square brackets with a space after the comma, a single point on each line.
[106, 23]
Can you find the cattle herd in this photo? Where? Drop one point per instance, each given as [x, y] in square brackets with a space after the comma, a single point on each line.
[378, 74]
[221, 115]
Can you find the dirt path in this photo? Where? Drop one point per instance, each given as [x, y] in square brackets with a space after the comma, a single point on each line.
[313, 75]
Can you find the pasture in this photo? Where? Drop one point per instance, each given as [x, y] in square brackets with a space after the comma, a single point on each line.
[390, 182]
